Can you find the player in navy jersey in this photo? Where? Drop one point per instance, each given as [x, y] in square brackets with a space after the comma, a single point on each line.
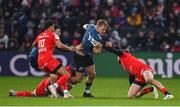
[83, 60]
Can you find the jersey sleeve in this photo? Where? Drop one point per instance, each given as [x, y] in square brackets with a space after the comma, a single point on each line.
[35, 43]
[56, 37]
[88, 26]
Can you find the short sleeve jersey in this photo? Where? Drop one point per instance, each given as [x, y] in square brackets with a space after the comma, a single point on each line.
[46, 42]
[131, 64]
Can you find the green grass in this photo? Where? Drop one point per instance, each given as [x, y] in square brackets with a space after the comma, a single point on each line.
[108, 92]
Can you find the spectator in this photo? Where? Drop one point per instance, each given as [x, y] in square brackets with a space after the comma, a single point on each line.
[120, 20]
[151, 41]
[176, 47]
[115, 39]
[13, 44]
[65, 37]
[22, 18]
[2, 46]
[4, 38]
[140, 41]
[135, 18]
[76, 38]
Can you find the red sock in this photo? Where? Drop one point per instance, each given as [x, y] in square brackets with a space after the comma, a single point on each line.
[62, 81]
[24, 93]
[164, 91]
[65, 87]
[147, 90]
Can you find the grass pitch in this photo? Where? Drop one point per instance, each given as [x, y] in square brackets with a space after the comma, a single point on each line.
[108, 91]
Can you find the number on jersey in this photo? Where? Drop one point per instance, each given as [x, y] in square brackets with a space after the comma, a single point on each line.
[41, 43]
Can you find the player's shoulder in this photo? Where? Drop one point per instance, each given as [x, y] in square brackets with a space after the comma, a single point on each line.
[90, 26]
[49, 32]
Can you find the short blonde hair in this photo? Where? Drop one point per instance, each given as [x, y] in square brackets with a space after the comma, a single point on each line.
[101, 22]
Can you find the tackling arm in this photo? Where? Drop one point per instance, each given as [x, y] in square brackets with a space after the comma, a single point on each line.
[60, 45]
[113, 50]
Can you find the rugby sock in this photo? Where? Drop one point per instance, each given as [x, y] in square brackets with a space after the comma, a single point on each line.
[164, 91]
[145, 91]
[24, 93]
[62, 81]
[148, 90]
[87, 89]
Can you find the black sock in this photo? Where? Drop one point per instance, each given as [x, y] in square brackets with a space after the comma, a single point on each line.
[167, 93]
[151, 89]
[88, 86]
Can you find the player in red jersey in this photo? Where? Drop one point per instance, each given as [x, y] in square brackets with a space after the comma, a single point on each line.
[143, 73]
[46, 42]
[42, 88]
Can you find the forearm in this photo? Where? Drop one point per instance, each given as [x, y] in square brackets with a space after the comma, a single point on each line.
[113, 50]
[65, 47]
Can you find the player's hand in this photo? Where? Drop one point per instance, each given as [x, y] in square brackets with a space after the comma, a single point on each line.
[72, 48]
[108, 44]
[79, 47]
[98, 45]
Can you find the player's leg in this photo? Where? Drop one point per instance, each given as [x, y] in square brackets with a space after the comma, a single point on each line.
[142, 91]
[91, 74]
[53, 78]
[146, 91]
[62, 82]
[79, 76]
[149, 78]
[131, 79]
[55, 67]
[133, 90]
[20, 93]
[41, 89]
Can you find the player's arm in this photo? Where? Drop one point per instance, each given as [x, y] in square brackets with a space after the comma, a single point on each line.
[97, 50]
[35, 43]
[60, 45]
[85, 26]
[99, 47]
[113, 50]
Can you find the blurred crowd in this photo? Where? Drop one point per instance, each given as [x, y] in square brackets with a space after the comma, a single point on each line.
[138, 25]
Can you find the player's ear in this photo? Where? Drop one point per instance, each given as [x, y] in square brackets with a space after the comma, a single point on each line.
[52, 27]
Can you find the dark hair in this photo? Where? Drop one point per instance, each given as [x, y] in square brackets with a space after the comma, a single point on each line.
[47, 24]
[101, 22]
[57, 27]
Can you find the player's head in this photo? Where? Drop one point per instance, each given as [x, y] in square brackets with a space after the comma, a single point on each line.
[49, 24]
[101, 26]
[57, 29]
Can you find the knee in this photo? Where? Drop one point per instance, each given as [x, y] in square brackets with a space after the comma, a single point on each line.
[79, 80]
[68, 75]
[130, 96]
[149, 80]
[92, 75]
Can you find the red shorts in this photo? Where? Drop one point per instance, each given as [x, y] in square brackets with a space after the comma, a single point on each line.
[41, 89]
[139, 77]
[48, 64]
